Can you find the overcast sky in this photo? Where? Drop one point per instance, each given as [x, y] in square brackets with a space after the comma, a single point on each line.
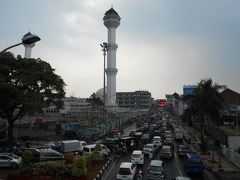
[162, 44]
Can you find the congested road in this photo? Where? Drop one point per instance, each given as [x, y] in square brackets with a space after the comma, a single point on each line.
[173, 167]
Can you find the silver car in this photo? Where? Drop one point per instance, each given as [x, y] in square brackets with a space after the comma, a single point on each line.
[150, 150]
[10, 160]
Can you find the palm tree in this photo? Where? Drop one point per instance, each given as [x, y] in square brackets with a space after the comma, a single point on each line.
[206, 101]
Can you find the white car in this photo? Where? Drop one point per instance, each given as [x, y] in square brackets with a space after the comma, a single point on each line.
[9, 160]
[88, 149]
[127, 170]
[137, 157]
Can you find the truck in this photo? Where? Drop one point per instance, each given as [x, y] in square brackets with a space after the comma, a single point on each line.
[69, 146]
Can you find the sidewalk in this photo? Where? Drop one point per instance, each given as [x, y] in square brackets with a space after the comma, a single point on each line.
[214, 170]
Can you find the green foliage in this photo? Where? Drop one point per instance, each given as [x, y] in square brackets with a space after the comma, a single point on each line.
[94, 100]
[88, 160]
[98, 148]
[27, 157]
[51, 167]
[25, 168]
[26, 87]
[79, 166]
[206, 101]
[96, 156]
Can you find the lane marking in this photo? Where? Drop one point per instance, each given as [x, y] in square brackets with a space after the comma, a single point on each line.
[114, 164]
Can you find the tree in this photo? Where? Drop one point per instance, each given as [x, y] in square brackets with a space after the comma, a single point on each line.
[206, 101]
[26, 87]
[95, 102]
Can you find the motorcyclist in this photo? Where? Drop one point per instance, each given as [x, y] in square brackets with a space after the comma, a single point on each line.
[139, 176]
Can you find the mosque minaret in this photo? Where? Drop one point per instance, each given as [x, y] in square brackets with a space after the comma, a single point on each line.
[111, 21]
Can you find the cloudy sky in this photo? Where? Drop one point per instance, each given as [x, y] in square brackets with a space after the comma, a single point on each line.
[162, 44]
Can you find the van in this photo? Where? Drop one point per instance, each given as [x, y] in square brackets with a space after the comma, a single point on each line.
[193, 164]
[88, 149]
[156, 170]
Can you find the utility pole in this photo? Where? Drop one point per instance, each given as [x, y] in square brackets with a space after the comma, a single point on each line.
[104, 50]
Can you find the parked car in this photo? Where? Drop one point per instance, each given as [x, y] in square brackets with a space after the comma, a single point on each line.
[35, 152]
[155, 170]
[10, 160]
[137, 157]
[50, 155]
[167, 152]
[127, 170]
[183, 150]
[150, 150]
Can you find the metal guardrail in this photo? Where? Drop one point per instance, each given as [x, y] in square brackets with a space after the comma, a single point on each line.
[231, 155]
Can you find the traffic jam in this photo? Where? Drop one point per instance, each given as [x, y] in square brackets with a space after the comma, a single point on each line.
[155, 149]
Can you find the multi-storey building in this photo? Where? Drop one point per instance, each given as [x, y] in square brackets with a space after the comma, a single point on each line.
[73, 107]
[188, 89]
[134, 100]
[231, 107]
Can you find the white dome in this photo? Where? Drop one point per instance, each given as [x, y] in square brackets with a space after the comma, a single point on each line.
[99, 93]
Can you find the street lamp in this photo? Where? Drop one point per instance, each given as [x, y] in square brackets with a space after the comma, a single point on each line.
[104, 50]
[27, 39]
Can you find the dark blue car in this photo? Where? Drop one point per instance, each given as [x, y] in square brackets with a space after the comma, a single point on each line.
[193, 164]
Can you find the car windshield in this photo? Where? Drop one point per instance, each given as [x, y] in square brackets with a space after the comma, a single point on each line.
[155, 168]
[124, 171]
[136, 155]
[149, 146]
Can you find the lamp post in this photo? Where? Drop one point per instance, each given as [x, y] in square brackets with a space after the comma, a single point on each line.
[104, 50]
[27, 40]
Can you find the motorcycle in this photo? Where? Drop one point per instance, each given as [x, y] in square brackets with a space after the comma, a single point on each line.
[124, 151]
[139, 176]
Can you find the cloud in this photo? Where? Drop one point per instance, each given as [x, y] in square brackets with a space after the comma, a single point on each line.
[163, 64]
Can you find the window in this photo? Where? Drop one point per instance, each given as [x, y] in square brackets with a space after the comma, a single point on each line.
[124, 171]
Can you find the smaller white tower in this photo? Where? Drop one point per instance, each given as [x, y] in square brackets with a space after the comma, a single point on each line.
[28, 47]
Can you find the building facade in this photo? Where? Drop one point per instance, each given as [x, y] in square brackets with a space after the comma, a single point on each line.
[231, 107]
[188, 89]
[134, 100]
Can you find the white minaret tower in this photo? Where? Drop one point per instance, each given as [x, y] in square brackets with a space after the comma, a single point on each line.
[28, 47]
[111, 21]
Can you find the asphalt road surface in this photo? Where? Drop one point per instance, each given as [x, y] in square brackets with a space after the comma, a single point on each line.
[173, 167]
